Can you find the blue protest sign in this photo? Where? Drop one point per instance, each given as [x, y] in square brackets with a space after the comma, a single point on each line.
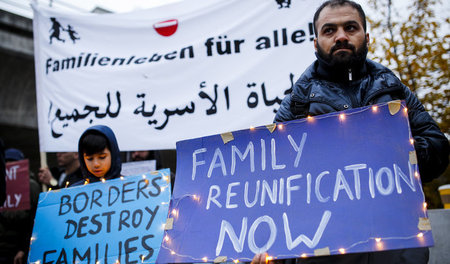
[117, 221]
[333, 184]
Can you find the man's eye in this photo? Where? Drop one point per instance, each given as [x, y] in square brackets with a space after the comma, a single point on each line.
[350, 28]
[328, 31]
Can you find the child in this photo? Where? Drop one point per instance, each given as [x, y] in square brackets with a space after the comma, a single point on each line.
[99, 154]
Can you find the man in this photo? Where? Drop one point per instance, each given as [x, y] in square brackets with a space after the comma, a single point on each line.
[69, 174]
[342, 78]
[147, 155]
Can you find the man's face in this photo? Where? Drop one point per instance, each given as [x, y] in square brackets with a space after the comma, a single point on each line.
[98, 163]
[66, 158]
[139, 155]
[341, 39]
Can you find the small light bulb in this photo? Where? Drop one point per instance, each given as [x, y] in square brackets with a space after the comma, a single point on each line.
[416, 174]
[166, 238]
[420, 234]
[67, 183]
[405, 109]
[342, 250]
[303, 255]
[121, 177]
[144, 176]
[252, 128]
[280, 126]
[236, 261]
[425, 205]
[142, 259]
[378, 239]
[411, 140]
[103, 180]
[175, 212]
[342, 117]
[310, 118]
[269, 258]
[172, 252]
[374, 108]
[166, 178]
[205, 259]
[49, 189]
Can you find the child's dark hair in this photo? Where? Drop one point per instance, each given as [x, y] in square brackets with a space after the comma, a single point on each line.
[93, 143]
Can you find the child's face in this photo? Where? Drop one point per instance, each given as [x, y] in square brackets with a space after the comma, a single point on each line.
[98, 163]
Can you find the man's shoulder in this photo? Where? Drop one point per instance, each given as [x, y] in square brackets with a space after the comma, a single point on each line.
[308, 77]
[310, 73]
[382, 74]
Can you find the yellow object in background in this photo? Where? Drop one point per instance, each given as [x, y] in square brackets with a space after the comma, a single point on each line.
[444, 191]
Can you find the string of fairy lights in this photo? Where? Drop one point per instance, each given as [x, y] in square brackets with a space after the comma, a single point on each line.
[174, 213]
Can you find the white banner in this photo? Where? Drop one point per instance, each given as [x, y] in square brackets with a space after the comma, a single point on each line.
[179, 71]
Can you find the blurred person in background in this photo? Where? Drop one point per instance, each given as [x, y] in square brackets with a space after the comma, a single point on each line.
[16, 226]
[67, 173]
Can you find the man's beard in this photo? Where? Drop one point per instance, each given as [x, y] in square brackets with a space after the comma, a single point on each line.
[344, 59]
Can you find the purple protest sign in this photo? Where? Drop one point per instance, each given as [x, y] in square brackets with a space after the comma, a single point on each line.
[339, 183]
[17, 186]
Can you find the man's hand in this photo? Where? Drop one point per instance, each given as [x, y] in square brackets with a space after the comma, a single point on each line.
[19, 258]
[45, 176]
[259, 259]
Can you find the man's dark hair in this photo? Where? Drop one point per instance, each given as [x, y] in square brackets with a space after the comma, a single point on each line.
[335, 3]
[93, 143]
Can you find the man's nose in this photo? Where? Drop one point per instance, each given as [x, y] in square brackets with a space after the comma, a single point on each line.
[341, 36]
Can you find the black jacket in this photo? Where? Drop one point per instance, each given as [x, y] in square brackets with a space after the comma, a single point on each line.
[320, 91]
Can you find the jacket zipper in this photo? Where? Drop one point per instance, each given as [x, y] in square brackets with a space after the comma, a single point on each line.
[350, 93]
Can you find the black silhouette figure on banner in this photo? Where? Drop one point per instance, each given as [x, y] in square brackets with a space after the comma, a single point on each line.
[55, 30]
[72, 33]
[281, 2]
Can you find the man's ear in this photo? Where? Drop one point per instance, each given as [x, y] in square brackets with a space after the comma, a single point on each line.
[367, 39]
[315, 44]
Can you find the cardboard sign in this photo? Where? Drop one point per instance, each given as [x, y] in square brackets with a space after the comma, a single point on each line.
[119, 220]
[17, 186]
[332, 184]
